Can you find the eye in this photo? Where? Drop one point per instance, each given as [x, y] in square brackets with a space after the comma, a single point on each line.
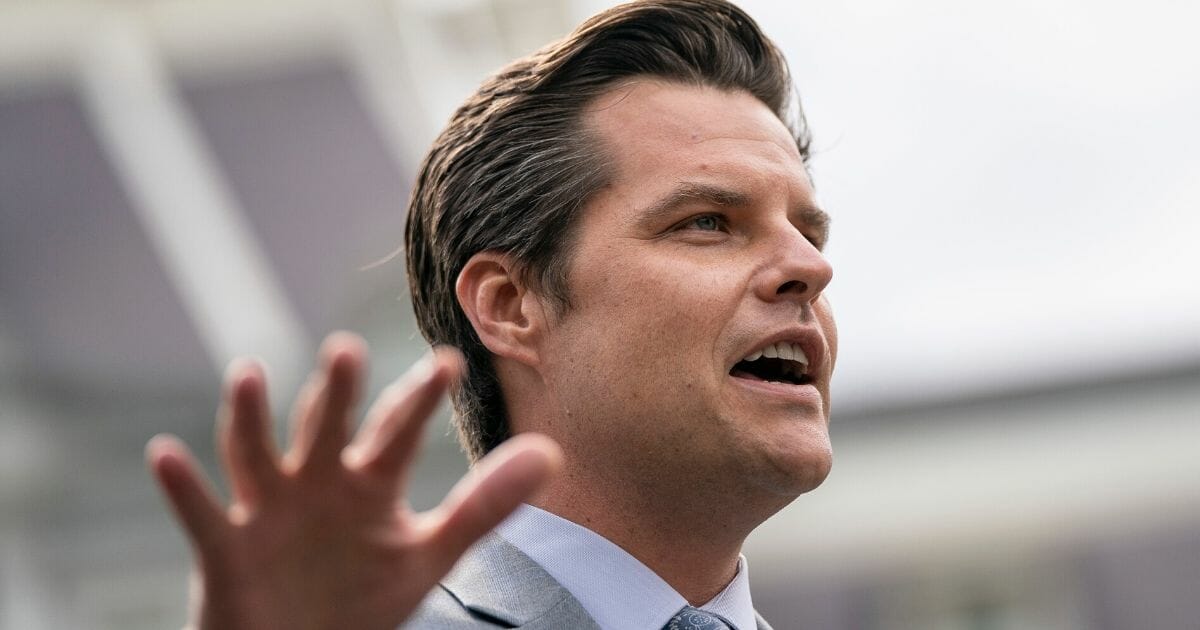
[706, 223]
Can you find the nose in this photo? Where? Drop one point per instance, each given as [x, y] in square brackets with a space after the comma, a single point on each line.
[795, 269]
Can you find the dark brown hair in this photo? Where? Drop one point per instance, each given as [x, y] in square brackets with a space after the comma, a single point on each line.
[515, 164]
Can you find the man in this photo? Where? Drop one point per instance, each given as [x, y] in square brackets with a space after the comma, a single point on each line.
[620, 236]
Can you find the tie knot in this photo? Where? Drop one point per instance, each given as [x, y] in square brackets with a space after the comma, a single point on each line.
[695, 619]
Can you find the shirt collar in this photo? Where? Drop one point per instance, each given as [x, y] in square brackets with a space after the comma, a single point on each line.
[617, 590]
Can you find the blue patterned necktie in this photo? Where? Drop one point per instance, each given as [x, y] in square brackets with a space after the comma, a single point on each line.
[695, 619]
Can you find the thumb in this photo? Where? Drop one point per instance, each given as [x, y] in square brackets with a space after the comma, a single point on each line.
[491, 491]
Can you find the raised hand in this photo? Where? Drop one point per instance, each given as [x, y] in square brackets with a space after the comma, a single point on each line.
[321, 537]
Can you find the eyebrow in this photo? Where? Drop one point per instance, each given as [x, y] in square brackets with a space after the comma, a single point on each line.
[687, 192]
[812, 216]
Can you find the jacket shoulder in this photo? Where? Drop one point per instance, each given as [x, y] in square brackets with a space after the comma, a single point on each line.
[442, 611]
[494, 585]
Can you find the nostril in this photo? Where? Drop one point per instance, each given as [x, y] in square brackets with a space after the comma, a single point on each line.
[792, 286]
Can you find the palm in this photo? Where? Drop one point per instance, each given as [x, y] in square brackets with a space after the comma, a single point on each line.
[319, 538]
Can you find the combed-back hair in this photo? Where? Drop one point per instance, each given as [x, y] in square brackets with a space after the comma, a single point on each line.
[516, 164]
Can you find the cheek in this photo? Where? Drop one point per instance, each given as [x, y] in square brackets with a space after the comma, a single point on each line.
[647, 315]
[664, 305]
[824, 313]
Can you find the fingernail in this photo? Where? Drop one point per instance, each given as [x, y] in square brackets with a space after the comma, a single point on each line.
[233, 368]
[424, 368]
[262, 366]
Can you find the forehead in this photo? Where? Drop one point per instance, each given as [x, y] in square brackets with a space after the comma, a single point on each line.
[658, 131]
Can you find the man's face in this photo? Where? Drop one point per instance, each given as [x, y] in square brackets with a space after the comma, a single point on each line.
[703, 252]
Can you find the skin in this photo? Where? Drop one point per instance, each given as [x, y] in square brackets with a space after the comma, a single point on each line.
[663, 451]
[320, 536]
[666, 453]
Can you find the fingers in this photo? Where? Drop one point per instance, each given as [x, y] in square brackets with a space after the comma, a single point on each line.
[247, 448]
[194, 504]
[388, 440]
[492, 490]
[298, 429]
[323, 411]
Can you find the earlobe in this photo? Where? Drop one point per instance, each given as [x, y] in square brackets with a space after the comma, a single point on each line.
[495, 299]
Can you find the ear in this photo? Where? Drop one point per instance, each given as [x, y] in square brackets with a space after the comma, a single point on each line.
[506, 316]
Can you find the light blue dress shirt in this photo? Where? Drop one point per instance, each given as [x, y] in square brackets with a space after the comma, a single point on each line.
[615, 588]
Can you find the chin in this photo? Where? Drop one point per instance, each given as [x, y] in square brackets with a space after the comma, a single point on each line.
[800, 470]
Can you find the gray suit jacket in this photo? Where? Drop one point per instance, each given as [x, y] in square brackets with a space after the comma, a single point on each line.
[496, 586]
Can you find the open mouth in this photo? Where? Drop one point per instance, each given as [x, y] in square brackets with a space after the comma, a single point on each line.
[777, 363]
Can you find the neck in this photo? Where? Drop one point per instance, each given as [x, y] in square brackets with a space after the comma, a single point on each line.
[691, 544]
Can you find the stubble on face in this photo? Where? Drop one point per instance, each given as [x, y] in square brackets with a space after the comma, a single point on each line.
[638, 366]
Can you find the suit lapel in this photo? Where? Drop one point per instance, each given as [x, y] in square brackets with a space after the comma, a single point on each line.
[497, 580]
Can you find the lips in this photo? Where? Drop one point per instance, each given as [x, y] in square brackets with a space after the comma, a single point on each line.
[780, 362]
[790, 358]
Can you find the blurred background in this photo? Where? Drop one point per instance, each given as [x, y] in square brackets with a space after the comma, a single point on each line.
[1015, 189]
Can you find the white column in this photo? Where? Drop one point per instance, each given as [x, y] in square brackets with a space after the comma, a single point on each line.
[224, 279]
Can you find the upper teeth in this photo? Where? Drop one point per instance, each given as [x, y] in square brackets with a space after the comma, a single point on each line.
[782, 350]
